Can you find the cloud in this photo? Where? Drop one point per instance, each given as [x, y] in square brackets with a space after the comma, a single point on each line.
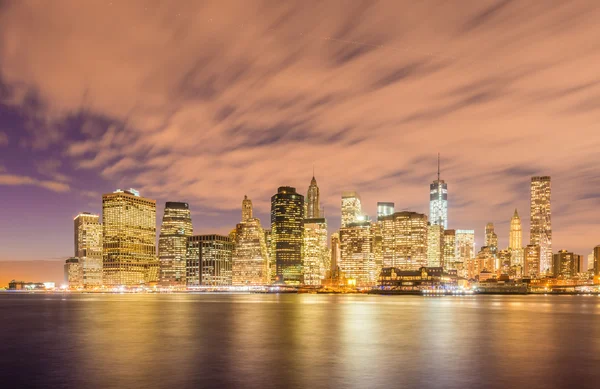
[16, 180]
[206, 101]
[3, 139]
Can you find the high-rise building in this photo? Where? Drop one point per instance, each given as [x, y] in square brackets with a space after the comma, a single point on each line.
[88, 248]
[541, 223]
[597, 260]
[515, 241]
[175, 230]
[129, 238]
[250, 252]
[357, 261]
[566, 264]
[377, 245]
[435, 245]
[270, 257]
[209, 260]
[532, 260]
[491, 239]
[465, 251]
[316, 252]
[287, 229]
[384, 209]
[404, 240]
[438, 200]
[450, 249]
[312, 201]
[73, 273]
[351, 208]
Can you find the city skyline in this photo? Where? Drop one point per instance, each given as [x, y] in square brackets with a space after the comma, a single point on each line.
[368, 104]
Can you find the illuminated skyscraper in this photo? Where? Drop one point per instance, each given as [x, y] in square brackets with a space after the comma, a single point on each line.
[491, 239]
[377, 246]
[175, 230]
[250, 253]
[312, 201]
[357, 261]
[316, 252]
[541, 223]
[404, 240]
[335, 255]
[88, 248]
[465, 252]
[597, 260]
[73, 273]
[515, 241]
[384, 209]
[209, 260]
[129, 238]
[351, 208]
[287, 229]
[450, 249]
[435, 245]
[566, 264]
[438, 201]
[532, 260]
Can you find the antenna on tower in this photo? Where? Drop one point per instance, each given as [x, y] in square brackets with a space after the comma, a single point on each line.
[313, 169]
[438, 166]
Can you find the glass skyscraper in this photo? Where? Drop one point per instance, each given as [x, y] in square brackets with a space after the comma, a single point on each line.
[287, 234]
[438, 201]
[175, 229]
[209, 260]
[351, 208]
[88, 248]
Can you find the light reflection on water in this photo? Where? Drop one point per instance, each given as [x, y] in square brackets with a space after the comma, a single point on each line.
[299, 341]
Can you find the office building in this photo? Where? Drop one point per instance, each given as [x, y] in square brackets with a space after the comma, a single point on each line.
[404, 240]
[435, 245]
[450, 250]
[597, 260]
[491, 239]
[313, 210]
[129, 239]
[250, 252]
[438, 201]
[73, 273]
[566, 264]
[175, 230]
[316, 252]
[209, 260]
[88, 248]
[357, 262]
[351, 208]
[287, 229]
[541, 223]
[515, 241]
[384, 209]
[334, 270]
[532, 260]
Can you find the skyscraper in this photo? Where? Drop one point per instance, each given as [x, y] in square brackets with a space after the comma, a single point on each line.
[88, 248]
[541, 223]
[465, 245]
[515, 241]
[435, 245]
[335, 255]
[312, 201]
[404, 240]
[175, 230]
[250, 251]
[73, 273]
[129, 238]
[491, 239]
[384, 209]
[287, 229]
[597, 260]
[532, 260]
[316, 252]
[208, 260]
[450, 249]
[357, 261]
[351, 208]
[438, 200]
[566, 264]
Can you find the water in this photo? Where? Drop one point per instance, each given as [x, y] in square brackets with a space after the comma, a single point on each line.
[298, 341]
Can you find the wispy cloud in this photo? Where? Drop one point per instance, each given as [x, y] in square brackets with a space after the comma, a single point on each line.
[16, 180]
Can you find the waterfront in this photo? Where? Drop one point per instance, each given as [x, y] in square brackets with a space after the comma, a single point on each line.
[298, 340]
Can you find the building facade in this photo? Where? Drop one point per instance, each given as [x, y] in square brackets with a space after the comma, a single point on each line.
[351, 208]
[129, 239]
[88, 248]
[209, 260]
[175, 230]
[435, 245]
[313, 210]
[515, 241]
[316, 252]
[357, 262]
[404, 240]
[449, 254]
[532, 260]
[73, 273]
[566, 264]
[438, 201]
[250, 252]
[541, 221]
[384, 209]
[287, 234]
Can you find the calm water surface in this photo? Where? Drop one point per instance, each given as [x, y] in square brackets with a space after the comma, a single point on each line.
[298, 341]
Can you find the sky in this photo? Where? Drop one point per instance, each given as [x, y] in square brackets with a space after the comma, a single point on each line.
[206, 102]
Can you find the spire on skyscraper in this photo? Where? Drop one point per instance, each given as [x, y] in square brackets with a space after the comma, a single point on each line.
[438, 166]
